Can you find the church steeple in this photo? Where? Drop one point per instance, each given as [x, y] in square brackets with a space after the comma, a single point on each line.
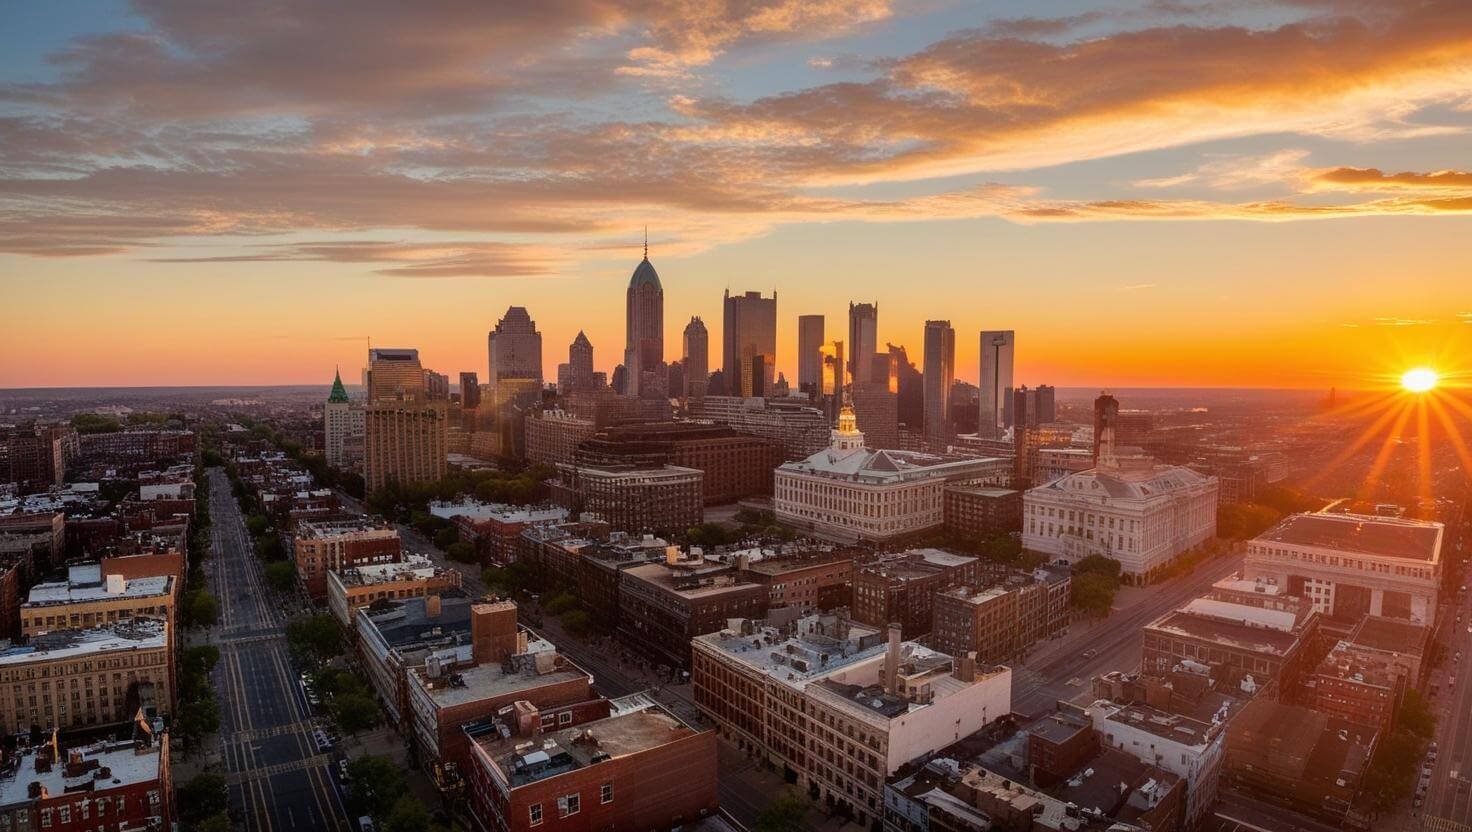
[339, 393]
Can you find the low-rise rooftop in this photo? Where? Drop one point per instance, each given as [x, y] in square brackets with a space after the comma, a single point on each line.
[86, 583]
[522, 761]
[93, 768]
[1418, 540]
[138, 634]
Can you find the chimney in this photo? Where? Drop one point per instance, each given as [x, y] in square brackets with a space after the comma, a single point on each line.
[493, 631]
[892, 661]
[432, 606]
[528, 718]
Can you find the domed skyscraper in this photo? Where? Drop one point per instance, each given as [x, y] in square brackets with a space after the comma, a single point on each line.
[644, 346]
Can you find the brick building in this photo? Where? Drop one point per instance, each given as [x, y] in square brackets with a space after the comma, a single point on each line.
[662, 606]
[359, 586]
[86, 678]
[552, 436]
[1002, 621]
[501, 665]
[901, 587]
[494, 529]
[1299, 758]
[108, 786]
[736, 465]
[661, 499]
[637, 768]
[89, 599]
[982, 510]
[1363, 687]
[1234, 640]
[335, 545]
[809, 584]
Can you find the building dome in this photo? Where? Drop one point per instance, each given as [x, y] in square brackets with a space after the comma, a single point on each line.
[644, 274]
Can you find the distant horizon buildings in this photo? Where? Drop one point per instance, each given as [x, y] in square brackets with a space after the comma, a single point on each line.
[695, 355]
[863, 340]
[749, 339]
[939, 374]
[644, 332]
[515, 348]
[810, 353]
[997, 356]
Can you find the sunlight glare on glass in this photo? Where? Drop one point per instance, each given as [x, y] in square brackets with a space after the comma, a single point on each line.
[1419, 380]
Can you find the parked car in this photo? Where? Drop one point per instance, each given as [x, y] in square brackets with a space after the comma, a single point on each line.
[1089, 653]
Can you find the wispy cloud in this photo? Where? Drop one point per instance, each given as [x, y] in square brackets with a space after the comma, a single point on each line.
[1134, 287]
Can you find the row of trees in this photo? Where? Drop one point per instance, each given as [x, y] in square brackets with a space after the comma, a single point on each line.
[381, 792]
[1397, 762]
[400, 502]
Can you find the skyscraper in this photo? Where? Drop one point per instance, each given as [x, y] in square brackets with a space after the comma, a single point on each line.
[810, 353]
[996, 378]
[834, 378]
[1047, 404]
[342, 424]
[696, 357]
[863, 339]
[469, 391]
[394, 374]
[750, 343]
[515, 348]
[1106, 420]
[579, 364]
[644, 332]
[908, 386]
[940, 372]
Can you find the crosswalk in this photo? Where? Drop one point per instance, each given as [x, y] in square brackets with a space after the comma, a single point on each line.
[1437, 824]
[237, 777]
[254, 734]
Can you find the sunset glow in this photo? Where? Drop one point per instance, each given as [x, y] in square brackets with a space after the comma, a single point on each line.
[1419, 380]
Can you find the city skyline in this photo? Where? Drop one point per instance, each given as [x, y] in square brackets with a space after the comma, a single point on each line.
[1273, 199]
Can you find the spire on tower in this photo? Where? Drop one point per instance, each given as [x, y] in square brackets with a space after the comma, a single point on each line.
[646, 242]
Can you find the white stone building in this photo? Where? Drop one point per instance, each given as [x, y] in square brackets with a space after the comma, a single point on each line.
[1351, 565]
[1129, 509]
[850, 492]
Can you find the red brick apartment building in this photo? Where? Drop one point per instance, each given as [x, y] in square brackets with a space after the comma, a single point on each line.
[633, 771]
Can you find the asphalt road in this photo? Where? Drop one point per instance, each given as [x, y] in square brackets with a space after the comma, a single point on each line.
[1044, 679]
[279, 780]
[1450, 794]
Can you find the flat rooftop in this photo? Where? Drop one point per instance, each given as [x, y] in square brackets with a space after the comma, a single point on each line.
[812, 651]
[499, 512]
[663, 576]
[414, 568]
[330, 528]
[1227, 633]
[138, 634]
[1379, 633]
[529, 760]
[1418, 540]
[86, 584]
[405, 622]
[125, 764]
[461, 686]
[1174, 727]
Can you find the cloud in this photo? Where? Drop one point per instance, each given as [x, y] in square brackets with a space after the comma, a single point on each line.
[1237, 172]
[507, 127]
[1391, 321]
[443, 259]
[1135, 287]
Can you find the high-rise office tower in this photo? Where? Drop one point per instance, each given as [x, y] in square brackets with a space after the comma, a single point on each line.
[436, 386]
[696, 358]
[579, 365]
[644, 332]
[404, 442]
[1106, 421]
[342, 424]
[515, 348]
[909, 388]
[1047, 404]
[394, 374]
[1024, 437]
[810, 354]
[996, 379]
[863, 339]
[940, 372]
[469, 391]
[749, 343]
[835, 378]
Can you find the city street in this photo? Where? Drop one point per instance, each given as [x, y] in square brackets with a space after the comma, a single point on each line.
[278, 778]
[1044, 678]
[1449, 797]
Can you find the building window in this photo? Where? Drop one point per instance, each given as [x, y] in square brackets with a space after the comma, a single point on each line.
[564, 718]
[606, 795]
[570, 804]
[535, 813]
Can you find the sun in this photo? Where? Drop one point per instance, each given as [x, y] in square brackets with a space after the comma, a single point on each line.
[1419, 380]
